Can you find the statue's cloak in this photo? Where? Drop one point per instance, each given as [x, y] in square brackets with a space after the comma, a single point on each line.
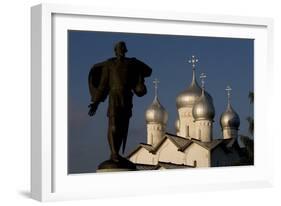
[100, 71]
[94, 79]
[100, 86]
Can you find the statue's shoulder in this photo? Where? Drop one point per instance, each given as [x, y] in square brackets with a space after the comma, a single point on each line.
[109, 62]
[143, 68]
[106, 61]
[111, 59]
[102, 65]
[133, 59]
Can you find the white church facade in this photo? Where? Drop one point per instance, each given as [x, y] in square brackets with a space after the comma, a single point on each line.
[193, 145]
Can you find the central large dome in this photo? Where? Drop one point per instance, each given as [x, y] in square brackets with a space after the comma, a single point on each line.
[189, 96]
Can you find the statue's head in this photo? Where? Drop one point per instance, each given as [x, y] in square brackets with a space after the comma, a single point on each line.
[120, 49]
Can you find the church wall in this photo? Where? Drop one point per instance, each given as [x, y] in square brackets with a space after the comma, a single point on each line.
[168, 152]
[199, 154]
[204, 130]
[186, 120]
[142, 156]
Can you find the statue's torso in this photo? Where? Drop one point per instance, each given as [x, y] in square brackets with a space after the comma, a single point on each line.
[121, 80]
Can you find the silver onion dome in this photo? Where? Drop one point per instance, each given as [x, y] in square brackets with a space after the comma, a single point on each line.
[156, 113]
[189, 96]
[204, 109]
[229, 118]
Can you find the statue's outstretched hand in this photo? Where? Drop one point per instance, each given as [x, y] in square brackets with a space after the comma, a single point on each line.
[93, 108]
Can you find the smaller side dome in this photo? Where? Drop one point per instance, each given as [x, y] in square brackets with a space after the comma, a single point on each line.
[156, 113]
[203, 109]
[229, 118]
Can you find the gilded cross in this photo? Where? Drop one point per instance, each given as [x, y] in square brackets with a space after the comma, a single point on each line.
[203, 76]
[193, 61]
[228, 90]
[156, 82]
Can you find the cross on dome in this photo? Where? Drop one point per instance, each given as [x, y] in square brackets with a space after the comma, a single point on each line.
[228, 89]
[156, 82]
[203, 76]
[193, 61]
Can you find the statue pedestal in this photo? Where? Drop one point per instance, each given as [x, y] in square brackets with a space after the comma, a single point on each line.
[121, 164]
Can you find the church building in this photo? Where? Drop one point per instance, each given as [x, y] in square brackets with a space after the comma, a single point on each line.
[193, 145]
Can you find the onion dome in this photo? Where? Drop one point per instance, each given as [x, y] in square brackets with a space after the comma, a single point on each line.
[177, 125]
[156, 113]
[203, 109]
[229, 118]
[189, 96]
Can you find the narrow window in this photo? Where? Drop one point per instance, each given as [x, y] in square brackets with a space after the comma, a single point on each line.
[187, 131]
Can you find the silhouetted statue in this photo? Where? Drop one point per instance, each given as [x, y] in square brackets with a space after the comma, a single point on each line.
[118, 78]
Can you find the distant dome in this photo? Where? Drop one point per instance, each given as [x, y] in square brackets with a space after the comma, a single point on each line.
[177, 125]
[229, 118]
[156, 113]
[204, 109]
[189, 96]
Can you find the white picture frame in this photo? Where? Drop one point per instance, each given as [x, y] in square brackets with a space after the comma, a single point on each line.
[49, 178]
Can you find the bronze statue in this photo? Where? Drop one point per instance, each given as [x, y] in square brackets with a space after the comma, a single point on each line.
[118, 78]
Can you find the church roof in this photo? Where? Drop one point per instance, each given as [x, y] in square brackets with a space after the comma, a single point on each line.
[165, 165]
[209, 145]
[146, 167]
[170, 165]
[183, 143]
[180, 142]
[148, 147]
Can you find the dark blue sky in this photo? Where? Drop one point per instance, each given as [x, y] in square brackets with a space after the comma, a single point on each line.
[226, 61]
